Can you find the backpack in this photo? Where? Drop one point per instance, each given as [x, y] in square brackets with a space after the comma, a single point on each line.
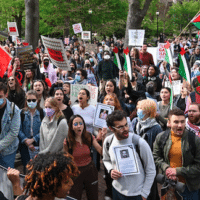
[135, 141]
[70, 150]
[23, 115]
[191, 140]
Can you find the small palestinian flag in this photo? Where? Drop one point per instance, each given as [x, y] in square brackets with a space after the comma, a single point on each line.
[116, 58]
[127, 64]
[168, 56]
[197, 35]
[196, 21]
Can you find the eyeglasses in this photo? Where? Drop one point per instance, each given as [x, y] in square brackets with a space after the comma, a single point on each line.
[33, 100]
[78, 123]
[78, 74]
[120, 127]
[11, 79]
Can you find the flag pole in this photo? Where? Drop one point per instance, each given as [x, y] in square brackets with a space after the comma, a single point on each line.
[188, 24]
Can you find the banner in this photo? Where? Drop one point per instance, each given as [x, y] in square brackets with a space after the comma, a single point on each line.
[12, 28]
[5, 59]
[136, 37]
[85, 35]
[56, 52]
[75, 88]
[176, 86]
[161, 51]
[77, 28]
[6, 185]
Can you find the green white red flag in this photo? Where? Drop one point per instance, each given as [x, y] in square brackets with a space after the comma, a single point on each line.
[168, 55]
[196, 21]
[127, 64]
[116, 58]
[183, 68]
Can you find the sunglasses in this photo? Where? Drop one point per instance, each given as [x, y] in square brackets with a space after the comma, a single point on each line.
[11, 79]
[78, 74]
[78, 123]
[33, 100]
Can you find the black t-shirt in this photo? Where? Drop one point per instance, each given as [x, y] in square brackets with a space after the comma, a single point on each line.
[1, 114]
[2, 197]
[181, 104]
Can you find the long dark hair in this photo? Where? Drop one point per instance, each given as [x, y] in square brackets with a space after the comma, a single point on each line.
[18, 88]
[86, 139]
[115, 87]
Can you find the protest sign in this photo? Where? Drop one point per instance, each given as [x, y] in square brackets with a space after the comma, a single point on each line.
[77, 28]
[85, 35]
[12, 28]
[75, 88]
[91, 47]
[56, 52]
[6, 185]
[66, 41]
[161, 51]
[5, 59]
[153, 51]
[25, 54]
[176, 86]
[136, 37]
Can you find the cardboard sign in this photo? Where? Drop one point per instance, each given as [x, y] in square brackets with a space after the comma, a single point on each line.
[176, 86]
[77, 28]
[161, 51]
[12, 28]
[25, 55]
[91, 47]
[86, 35]
[56, 52]
[75, 88]
[136, 37]
[67, 41]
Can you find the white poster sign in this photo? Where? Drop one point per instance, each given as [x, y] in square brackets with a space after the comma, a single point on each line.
[56, 52]
[153, 51]
[75, 88]
[176, 86]
[12, 28]
[85, 35]
[136, 37]
[77, 28]
[161, 51]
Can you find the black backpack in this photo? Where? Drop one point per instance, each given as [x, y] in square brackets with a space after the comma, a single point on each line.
[23, 115]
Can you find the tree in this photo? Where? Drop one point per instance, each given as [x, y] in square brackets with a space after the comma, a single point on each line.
[32, 22]
[137, 11]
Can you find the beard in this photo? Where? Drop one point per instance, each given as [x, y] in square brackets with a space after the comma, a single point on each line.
[194, 119]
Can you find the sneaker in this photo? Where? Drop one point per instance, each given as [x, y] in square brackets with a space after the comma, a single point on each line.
[107, 198]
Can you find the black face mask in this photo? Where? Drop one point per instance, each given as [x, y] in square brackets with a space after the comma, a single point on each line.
[46, 63]
[133, 79]
[87, 65]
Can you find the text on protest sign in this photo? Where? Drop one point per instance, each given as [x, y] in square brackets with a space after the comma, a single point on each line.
[136, 37]
[75, 89]
[77, 28]
[12, 28]
[161, 51]
[56, 52]
[85, 35]
[176, 86]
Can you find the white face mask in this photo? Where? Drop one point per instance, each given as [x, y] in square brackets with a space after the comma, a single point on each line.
[106, 57]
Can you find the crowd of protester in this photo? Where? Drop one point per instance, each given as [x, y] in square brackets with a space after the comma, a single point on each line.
[38, 118]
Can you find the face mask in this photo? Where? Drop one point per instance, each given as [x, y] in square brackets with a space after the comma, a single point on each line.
[91, 60]
[106, 57]
[75, 49]
[196, 73]
[103, 43]
[1, 101]
[49, 112]
[12, 52]
[78, 78]
[46, 64]
[140, 114]
[87, 65]
[31, 104]
[101, 50]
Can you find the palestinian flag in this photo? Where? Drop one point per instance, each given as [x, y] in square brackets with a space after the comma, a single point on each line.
[116, 58]
[127, 64]
[196, 21]
[168, 56]
[183, 68]
[197, 35]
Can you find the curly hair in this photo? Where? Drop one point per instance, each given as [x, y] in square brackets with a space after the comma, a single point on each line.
[46, 173]
[54, 104]
[148, 106]
[117, 103]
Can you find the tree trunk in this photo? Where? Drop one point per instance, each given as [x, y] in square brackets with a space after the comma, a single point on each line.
[19, 24]
[32, 22]
[135, 16]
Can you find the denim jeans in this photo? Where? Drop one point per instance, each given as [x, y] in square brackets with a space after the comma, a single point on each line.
[187, 195]
[8, 161]
[118, 196]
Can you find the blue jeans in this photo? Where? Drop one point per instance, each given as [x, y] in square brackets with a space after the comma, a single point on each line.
[118, 196]
[187, 195]
[8, 161]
